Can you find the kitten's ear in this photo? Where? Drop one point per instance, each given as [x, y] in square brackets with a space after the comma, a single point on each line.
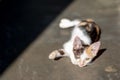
[77, 44]
[94, 48]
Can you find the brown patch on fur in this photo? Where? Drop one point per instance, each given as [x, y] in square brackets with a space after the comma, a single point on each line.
[92, 28]
[89, 20]
[88, 51]
[61, 51]
[83, 23]
[98, 32]
[88, 28]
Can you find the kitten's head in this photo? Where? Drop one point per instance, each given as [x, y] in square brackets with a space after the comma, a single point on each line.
[88, 54]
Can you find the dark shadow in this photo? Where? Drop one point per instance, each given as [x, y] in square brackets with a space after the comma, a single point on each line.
[57, 58]
[21, 21]
[100, 52]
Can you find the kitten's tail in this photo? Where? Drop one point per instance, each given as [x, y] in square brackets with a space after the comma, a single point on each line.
[66, 23]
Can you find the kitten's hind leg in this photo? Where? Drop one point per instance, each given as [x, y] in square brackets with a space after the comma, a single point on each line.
[66, 23]
[57, 54]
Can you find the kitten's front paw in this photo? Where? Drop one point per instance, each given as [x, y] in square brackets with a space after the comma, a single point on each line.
[53, 54]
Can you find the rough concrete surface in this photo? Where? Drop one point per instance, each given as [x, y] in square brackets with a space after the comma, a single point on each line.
[33, 63]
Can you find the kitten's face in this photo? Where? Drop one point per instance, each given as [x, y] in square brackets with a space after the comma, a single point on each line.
[88, 54]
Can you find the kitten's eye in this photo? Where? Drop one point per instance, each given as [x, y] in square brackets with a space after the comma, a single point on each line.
[87, 58]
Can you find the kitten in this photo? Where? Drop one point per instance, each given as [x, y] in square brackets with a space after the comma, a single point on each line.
[84, 43]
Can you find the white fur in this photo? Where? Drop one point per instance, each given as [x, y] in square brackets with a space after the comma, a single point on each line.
[66, 23]
[82, 34]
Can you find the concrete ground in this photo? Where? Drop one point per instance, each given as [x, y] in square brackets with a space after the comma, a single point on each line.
[33, 63]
